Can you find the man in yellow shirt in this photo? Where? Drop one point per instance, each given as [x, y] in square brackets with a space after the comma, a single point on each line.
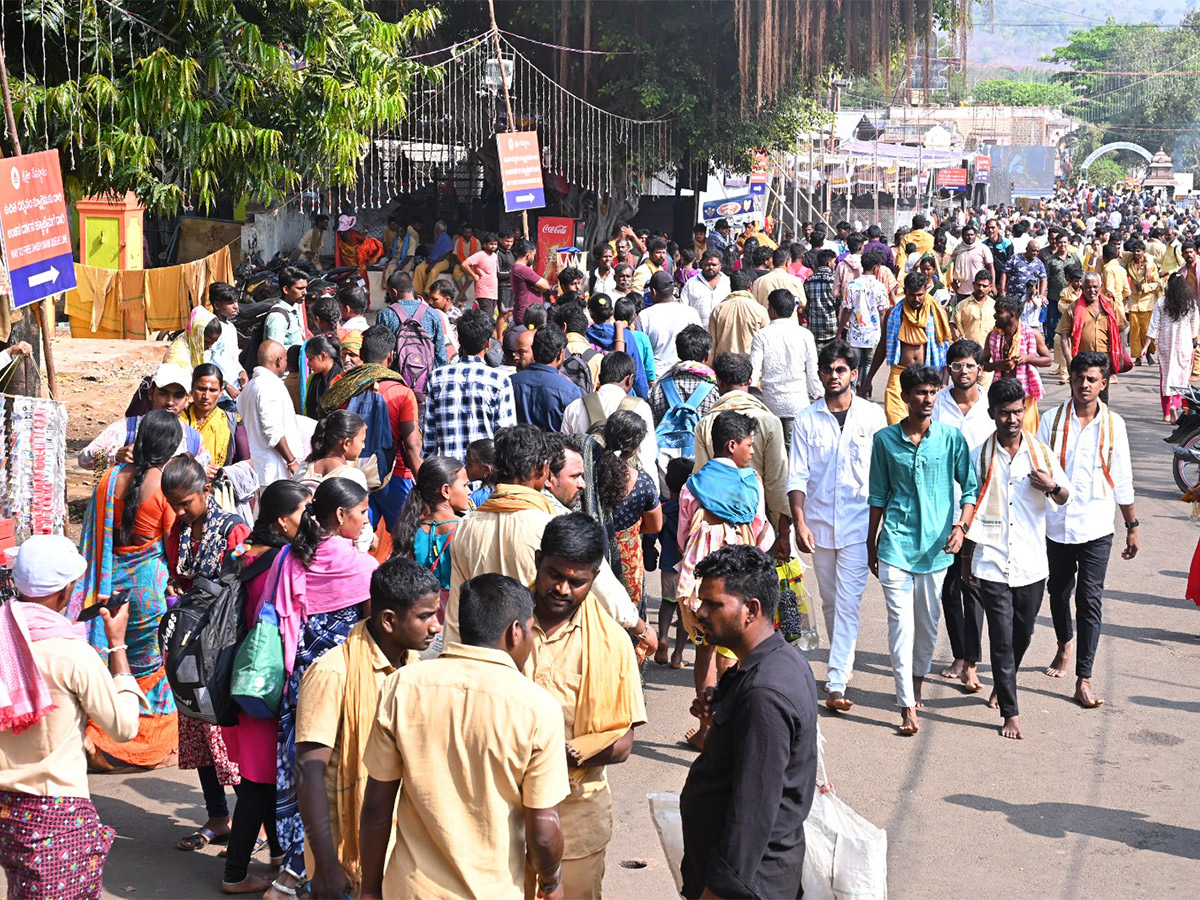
[586, 662]
[1114, 281]
[975, 317]
[1146, 286]
[478, 748]
[335, 712]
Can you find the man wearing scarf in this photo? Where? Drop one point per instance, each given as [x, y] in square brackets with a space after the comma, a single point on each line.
[1014, 348]
[1095, 323]
[586, 662]
[52, 843]
[915, 332]
[337, 710]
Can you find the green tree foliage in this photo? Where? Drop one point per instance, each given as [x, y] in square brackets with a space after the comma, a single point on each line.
[187, 101]
[1155, 109]
[1106, 172]
[1003, 92]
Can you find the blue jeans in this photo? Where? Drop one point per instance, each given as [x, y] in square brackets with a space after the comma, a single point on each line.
[388, 502]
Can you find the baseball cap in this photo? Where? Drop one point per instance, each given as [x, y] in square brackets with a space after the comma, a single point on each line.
[170, 373]
[47, 563]
[660, 281]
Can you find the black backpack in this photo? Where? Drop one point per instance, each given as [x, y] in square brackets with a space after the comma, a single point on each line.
[575, 367]
[251, 325]
[199, 637]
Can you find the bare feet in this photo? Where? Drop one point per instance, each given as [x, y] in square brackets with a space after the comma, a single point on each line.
[1084, 695]
[837, 701]
[286, 879]
[1062, 659]
[994, 700]
[251, 884]
[677, 661]
[695, 737]
[908, 721]
[955, 669]
[917, 684]
[1012, 728]
[661, 654]
[970, 678]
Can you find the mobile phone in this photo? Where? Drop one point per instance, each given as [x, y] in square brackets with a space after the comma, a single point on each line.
[113, 603]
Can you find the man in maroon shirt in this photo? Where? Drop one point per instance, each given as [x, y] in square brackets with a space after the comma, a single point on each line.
[528, 286]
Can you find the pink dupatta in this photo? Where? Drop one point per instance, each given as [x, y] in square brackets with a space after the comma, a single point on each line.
[24, 697]
[340, 576]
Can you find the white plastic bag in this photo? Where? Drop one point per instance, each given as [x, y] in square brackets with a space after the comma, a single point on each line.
[664, 810]
[846, 856]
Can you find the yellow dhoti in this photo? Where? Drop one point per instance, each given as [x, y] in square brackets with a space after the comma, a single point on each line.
[893, 404]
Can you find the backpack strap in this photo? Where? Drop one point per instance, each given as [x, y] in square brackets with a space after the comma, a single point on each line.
[671, 392]
[594, 409]
[420, 312]
[628, 403]
[131, 424]
[703, 389]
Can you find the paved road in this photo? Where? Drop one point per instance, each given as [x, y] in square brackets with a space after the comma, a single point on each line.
[1062, 814]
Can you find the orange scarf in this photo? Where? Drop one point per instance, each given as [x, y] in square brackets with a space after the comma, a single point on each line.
[914, 321]
[515, 498]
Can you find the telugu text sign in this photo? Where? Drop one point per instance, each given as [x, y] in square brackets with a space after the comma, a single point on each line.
[33, 222]
[521, 170]
[954, 179]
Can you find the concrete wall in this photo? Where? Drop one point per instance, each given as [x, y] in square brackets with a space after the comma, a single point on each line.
[278, 228]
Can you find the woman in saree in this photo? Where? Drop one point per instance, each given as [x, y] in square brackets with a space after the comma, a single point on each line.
[224, 436]
[199, 542]
[354, 248]
[123, 541]
[321, 362]
[253, 742]
[631, 497]
[323, 585]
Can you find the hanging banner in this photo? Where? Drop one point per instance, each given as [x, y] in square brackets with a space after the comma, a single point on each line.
[521, 170]
[33, 222]
[983, 169]
[760, 172]
[952, 179]
[743, 208]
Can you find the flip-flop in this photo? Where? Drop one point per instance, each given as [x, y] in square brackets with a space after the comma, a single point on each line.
[200, 838]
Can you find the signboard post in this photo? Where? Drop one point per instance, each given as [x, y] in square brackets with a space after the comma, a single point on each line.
[34, 228]
[521, 171]
[760, 170]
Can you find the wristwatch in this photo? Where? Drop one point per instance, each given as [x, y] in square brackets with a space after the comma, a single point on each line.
[1054, 493]
[1132, 524]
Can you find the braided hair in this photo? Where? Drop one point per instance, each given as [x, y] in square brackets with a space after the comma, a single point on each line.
[158, 437]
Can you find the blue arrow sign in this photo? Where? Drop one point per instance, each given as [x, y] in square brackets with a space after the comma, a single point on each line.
[42, 279]
[527, 198]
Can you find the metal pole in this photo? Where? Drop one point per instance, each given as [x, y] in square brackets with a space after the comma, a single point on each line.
[809, 177]
[45, 319]
[875, 178]
[507, 99]
[795, 194]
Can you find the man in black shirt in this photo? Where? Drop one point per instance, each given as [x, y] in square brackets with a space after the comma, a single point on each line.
[748, 793]
[504, 265]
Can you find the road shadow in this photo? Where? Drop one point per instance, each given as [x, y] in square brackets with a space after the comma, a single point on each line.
[1190, 706]
[657, 752]
[1122, 826]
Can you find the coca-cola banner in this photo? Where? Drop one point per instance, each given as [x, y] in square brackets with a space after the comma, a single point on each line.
[553, 233]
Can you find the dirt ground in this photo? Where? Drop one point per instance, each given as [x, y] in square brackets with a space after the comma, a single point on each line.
[96, 379]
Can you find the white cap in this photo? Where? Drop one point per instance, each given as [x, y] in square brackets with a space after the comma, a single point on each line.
[47, 563]
[170, 373]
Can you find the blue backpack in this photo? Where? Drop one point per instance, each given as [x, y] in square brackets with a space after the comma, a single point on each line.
[373, 410]
[676, 432]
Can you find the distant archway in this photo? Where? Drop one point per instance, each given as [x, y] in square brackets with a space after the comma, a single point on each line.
[1113, 147]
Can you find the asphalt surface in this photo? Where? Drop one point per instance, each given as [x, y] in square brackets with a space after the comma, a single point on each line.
[1094, 803]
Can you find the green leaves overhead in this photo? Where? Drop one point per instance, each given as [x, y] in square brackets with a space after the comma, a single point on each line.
[184, 102]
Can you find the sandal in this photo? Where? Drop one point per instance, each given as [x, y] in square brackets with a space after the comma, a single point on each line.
[202, 837]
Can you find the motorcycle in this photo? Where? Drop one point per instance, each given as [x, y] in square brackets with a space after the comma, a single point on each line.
[1185, 463]
[326, 283]
[257, 280]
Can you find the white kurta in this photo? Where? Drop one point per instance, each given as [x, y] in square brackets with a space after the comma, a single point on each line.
[1175, 338]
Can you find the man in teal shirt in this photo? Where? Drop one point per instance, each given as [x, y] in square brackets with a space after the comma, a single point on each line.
[914, 467]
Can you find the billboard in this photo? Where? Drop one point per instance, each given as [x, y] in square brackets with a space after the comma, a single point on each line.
[1020, 172]
[983, 169]
[952, 178]
[737, 210]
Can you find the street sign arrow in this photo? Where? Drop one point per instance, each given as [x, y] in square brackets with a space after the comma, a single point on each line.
[48, 277]
[524, 198]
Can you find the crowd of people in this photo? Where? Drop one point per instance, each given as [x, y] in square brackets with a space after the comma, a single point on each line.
[444, 523]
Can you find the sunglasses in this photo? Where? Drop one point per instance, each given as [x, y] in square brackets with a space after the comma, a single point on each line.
[963, 366]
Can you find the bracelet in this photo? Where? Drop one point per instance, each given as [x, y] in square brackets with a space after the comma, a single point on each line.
[121, 647]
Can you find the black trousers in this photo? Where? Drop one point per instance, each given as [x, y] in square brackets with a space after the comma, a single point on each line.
[255, 809]
[1078, 569]
[1011, 615]
[214, 793]
[963, 614]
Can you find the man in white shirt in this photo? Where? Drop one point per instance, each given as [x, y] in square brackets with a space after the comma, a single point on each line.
[866, 299]
[1004, 556]
[1093, 448]
[663, 321]
[707, 288]
[588, 414]
[961, 405]
[784, 360]
[828, 489]
[271, 423]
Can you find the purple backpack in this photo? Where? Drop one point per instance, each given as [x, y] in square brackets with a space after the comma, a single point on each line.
[414, 348]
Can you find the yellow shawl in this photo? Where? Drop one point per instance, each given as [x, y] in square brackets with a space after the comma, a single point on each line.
[516, 497]
[215, 431]
[603, 712]
[913, 323]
